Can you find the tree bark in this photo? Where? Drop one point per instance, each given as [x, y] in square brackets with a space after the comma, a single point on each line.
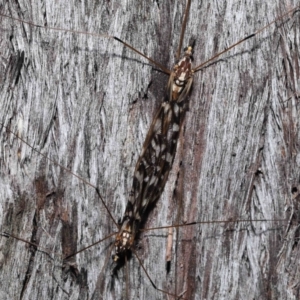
[87, 102]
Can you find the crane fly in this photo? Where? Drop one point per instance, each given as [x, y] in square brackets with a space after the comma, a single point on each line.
[228, 101]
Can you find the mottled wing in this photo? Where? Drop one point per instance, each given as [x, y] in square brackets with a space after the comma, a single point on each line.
[155, 162]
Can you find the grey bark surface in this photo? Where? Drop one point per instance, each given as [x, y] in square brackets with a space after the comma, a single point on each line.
[87, 102]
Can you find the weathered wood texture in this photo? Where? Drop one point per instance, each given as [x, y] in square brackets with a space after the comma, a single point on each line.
[87, 102]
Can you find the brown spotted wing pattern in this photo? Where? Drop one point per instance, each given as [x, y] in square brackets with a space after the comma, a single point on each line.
[155, 162]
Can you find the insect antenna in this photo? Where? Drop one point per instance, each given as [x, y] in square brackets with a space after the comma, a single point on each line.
[183, 27]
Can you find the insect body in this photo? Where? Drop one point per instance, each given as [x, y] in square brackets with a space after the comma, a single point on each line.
[238, 158]
[156, 160]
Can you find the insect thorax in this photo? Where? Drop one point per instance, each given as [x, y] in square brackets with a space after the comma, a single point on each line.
[125, 238]
[181, 78]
